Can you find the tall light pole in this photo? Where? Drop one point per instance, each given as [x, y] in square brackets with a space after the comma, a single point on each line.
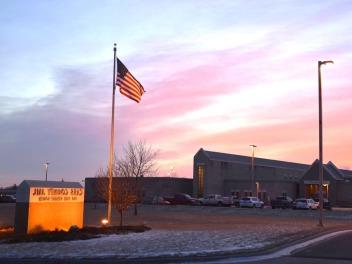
[253, 187]
[321, 198]
[46, 165]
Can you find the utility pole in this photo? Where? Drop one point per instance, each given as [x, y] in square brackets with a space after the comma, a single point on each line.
[321, 197]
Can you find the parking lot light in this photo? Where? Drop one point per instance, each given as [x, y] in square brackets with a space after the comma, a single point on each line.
[321, 198]
[46, 165]
[253, 189]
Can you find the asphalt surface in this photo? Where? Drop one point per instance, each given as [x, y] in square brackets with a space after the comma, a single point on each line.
[299, 260]
[334, 250]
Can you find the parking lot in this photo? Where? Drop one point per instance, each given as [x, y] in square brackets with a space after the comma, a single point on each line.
[205, 217]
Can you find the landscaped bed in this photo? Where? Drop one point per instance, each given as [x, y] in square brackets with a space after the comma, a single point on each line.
[7, 234]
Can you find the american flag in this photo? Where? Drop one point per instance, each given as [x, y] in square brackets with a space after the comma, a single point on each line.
[129, 86]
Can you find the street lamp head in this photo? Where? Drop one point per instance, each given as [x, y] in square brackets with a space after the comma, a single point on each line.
[253, 146]
[325, 62]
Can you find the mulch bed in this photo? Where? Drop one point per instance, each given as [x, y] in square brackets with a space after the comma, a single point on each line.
[89, 232]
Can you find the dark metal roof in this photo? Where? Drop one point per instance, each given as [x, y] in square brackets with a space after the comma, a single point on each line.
[50, 184]
[347, 173]
[334, 171]
[23, 195]
[225, 157]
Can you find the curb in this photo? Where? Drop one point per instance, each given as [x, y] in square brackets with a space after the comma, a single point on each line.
[281, 253]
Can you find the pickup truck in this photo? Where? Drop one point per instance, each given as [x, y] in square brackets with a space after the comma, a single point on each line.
[182, 198]
[7, 198]
[282, 202]
[216, 199]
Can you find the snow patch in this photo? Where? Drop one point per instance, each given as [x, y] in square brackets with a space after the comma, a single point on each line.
[147, 244]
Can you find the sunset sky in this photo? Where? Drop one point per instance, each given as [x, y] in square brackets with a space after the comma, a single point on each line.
[218, 74]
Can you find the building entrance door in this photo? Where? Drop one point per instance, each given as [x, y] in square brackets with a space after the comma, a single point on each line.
[200, 180]
[312, 190]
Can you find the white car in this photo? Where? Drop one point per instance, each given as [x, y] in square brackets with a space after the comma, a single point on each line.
[252, 202]
[216, 199]
[306, 204]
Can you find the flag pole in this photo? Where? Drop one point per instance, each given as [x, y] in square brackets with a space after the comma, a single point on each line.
[112, 133]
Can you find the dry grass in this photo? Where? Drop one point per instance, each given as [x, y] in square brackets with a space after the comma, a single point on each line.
[223, 218]
[204, 218]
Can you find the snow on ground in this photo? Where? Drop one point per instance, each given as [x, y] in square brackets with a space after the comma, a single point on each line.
[149, 244]
[182, 231]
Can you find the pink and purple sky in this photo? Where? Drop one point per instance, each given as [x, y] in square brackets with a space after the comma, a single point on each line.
[218, 74]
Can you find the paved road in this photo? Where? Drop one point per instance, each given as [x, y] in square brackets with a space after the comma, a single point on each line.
[334, 250]
[299, 260]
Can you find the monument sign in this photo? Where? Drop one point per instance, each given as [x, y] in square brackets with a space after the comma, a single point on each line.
[48, 205]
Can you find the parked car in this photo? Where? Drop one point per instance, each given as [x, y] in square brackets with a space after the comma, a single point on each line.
[305, 204]
[236, 201]
[216, 199]
[282, 202]
[326, 204]
[6, 198]
[160, 200]
[252, 202]
[182, 198]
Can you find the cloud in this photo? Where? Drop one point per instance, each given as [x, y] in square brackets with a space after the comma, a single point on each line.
[70, 129]
[222, 88]
[196, 105]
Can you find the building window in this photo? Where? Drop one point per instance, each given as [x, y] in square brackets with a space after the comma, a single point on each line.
[312, 190]
[236, 194]
[247, 193]
[262, 195]
[200, 180]
[224, 165]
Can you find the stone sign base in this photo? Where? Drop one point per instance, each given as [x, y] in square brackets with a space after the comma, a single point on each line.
[48, 206]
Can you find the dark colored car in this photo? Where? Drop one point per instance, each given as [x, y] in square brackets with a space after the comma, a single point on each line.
[182, 198]
[4, 198]
[326, 204]
[282, 202]
[236, 201]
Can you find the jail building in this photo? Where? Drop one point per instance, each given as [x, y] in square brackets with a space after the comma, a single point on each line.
[230, 174]
[149, 187]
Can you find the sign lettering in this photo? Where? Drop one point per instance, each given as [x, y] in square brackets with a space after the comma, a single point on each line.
[56, 195]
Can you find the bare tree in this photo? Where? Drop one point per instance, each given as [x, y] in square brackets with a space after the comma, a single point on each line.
[139, 160]
[123, 193]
